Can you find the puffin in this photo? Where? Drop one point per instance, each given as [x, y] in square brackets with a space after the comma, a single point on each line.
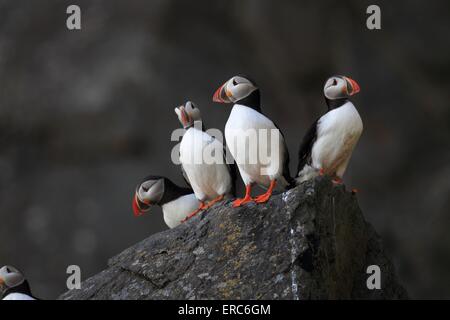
[176, 202]
[246, 120]
[327, 147]
[17, 287]
[203, 162]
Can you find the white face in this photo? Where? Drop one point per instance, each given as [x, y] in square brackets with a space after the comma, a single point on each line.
[235, 89]
[10, 277]
[335, 88]
[188, 113]
[338, 87]
[151, 191]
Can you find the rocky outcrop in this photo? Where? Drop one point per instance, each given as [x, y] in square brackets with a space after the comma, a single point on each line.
[311, 242]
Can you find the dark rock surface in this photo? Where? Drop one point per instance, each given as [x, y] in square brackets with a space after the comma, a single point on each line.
[311, 242]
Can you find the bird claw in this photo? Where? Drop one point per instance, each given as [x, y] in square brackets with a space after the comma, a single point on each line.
[240, 202]
[262, 198]
[193, 214]
[188, 217]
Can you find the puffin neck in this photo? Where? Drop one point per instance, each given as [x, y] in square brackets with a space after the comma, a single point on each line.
[24, 288]
[193, 125]
[253, 100]
[172, 192]
[335, 103]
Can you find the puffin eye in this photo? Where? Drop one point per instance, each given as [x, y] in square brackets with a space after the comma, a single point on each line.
[146, 185]
[334, 82]
[234, 83]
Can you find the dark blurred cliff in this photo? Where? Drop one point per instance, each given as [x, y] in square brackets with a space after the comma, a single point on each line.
[85, 114]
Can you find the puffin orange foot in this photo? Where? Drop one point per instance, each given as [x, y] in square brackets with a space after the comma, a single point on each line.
[214, 201]
[337, 180]
[321, 172]
[246, 199]
[240, 202]
[190, 215]
[266, 196]
[263, 198]
[194, 213]
[355, 191]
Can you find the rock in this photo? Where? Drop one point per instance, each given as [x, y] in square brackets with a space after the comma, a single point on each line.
[310, 242]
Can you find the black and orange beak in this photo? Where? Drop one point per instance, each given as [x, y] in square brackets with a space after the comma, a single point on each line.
[222, 95]
[185, 118]
[139, 207]
[352, 86]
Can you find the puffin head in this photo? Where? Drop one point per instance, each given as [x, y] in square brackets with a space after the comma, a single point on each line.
[10, 277]
[340, 87]
[148, 192]
[236, 89]
[188, 114]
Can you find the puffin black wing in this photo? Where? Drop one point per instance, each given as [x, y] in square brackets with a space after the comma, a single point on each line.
[232, 168]
[286, 171]
[304, 153]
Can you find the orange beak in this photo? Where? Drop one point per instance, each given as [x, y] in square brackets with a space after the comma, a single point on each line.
[136, 210]
[221, 95]
[138, 206]
[354, 85]
[185, 118]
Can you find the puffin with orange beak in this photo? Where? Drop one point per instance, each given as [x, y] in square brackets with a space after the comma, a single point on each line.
[203, 161]
[327, 147]
[256, 143]
[176, 202]
[14, 285]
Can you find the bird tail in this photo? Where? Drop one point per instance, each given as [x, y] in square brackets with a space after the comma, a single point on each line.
[307, 173]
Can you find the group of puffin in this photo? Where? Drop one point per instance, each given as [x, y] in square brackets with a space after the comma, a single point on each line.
[325, 150]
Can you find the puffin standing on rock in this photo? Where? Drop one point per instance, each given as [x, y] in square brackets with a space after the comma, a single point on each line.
[176, 202]
[17, 287]
[328, 145]
[212, 179]
[249, 135]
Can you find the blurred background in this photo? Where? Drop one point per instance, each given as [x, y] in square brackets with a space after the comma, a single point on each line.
[84, 115]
